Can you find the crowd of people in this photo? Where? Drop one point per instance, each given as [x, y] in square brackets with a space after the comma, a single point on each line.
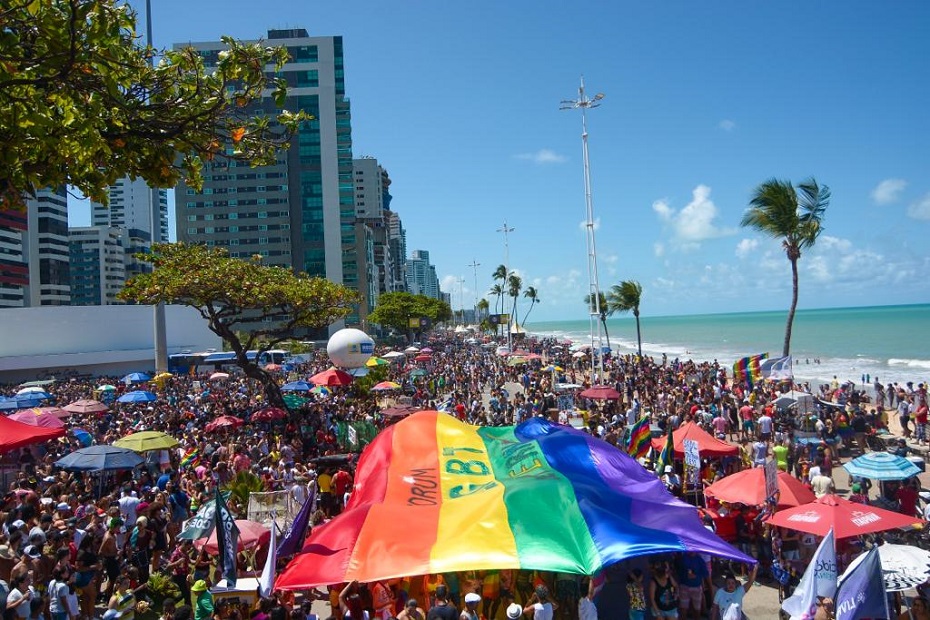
[76, 546]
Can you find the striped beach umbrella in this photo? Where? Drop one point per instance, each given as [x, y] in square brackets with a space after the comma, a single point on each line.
[881, 466]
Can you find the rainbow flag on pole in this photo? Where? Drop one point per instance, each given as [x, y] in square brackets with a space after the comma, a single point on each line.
[748, 370]
[190, 458]
[640, 438]
[436, 495]
[667, 455]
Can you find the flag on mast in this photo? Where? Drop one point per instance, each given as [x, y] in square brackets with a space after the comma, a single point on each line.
[227, 540]
[818, 580]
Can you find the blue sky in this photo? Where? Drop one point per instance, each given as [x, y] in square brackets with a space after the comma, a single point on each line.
[703, 101]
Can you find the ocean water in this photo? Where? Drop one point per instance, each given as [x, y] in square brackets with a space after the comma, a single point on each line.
[891, 343]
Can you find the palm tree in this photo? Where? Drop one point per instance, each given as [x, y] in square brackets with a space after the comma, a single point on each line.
[498, 291]
[625, 297]
[482, 308]
[514, 286]
[602, 303]
[794, 215]
[533, 295]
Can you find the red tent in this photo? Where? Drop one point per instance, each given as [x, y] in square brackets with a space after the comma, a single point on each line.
[748, 487]
[15, 434]
[708, 444]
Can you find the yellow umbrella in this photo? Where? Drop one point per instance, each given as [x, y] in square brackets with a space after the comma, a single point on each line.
[147, 440]
[376, 361]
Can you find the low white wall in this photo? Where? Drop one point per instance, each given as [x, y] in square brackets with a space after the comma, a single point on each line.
[93, 339]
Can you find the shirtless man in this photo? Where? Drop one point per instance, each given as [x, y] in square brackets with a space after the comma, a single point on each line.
[109, 554]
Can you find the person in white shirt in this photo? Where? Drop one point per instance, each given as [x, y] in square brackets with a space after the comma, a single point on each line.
[586, 608]
[127, 507]
[540, 607]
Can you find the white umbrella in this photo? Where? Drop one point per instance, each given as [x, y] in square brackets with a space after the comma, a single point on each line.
[219, 375]
[411, 350]
[31, 390]
[390, 355]
[903, 567]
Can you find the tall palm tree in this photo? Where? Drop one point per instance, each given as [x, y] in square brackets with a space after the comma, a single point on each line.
[500, 274]
[514, 286]
[794, 215]
[482, 307]
[498, 291]
[625, 297]
[533, 295]
[602, 304]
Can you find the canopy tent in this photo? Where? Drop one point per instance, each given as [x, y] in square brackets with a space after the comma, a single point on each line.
[748, 487]
[709, 445]
[147, 441]
[881, 466]
[437, 495]
[100, 458]
[845, 517]
[15, 434]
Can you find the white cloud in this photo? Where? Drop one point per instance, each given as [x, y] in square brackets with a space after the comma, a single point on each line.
[658, 248]
[888, 191]
[583, 224]
[834, 243]
[695, 222]
[920, 210]
[746, 247]
[543, 156]
[726, 125]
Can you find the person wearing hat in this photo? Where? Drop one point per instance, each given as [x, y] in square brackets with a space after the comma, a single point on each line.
[539, 606]
[203, 604]
[514, 611]
[471, 605]
[672, 480]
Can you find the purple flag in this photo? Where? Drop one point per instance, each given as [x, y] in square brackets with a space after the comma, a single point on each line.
[227, 540]
[861, 593]
[294, 539]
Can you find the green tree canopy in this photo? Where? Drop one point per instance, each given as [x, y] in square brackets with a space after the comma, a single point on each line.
[396, 309]
[233, 294]
[625, 297]
[82, 104]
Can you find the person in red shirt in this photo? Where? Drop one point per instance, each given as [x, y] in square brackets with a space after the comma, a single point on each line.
[341, 482]
[907, 499]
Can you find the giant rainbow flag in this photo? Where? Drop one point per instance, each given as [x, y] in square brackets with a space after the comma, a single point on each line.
[433, 494]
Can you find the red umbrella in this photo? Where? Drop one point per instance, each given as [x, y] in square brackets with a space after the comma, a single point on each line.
[251, 535]
[85, 405]
[331, 377]
[399, 411]
[37, 417]
[273, 367]
[58, 412]
[601, 392]
[748, 487]
[423, 357]
[269, 413]
[845, 517]
[224, 422]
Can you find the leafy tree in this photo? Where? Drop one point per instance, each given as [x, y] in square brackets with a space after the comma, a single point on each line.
[244, 484]
[82, 104]
[794, 215]
[499, 288]
[602, 306]
[533, 295]
[482, 307]
[233, 294]
[396, 309]
[625, 297]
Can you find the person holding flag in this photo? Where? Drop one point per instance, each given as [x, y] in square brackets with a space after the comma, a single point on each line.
[227, 540]
[667, 455]
[817, 583]
[639, 440]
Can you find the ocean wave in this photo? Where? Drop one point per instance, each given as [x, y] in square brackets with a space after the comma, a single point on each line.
[910, 363]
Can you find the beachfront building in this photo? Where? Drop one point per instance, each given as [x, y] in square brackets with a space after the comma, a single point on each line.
[14, 270]
[131, 208]
[98, 265]
[397, 242]
[421, 275]
[45, 249]
[298, 212]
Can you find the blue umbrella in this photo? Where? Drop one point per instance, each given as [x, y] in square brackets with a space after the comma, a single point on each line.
[881, 466]
[100, 458]
[83, 436]
[138, 396]
[297, 386]
[136, 377]
[20, 402]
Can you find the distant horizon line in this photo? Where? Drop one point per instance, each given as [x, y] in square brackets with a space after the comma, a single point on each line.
[784, 311]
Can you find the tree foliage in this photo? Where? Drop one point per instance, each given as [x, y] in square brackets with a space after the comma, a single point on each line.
[794, 215]
[626, 297]
[82, 104]
[600, 308]
[396, 309]
[233, 294]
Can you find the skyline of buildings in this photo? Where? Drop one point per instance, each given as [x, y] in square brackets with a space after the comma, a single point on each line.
[316, 209]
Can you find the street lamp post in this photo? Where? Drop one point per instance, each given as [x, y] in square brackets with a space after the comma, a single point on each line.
[583, 102]
[462, 298]
[159, 336]
[474, 264]
[507, 230]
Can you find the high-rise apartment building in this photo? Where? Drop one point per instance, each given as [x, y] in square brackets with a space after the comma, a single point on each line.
[298, 212]
[397, 242]
[421, 275]
[14, 269]
[131, 207]
[98, 265]
[45, 249]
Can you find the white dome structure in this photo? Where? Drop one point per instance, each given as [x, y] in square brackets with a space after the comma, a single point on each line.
[350, 348]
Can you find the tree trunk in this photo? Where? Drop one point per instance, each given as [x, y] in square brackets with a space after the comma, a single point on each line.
[606, 334]
[639, 338]
[271, 388]
[794, 304]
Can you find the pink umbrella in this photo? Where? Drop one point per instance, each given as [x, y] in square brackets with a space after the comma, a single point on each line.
[223, 422]
[86, 405]
[601, 392]
[269, 413]
[251, 535]
[36, 417]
